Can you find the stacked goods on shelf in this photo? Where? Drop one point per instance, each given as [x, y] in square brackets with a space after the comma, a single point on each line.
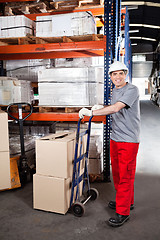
[32, 130]
[16, 26]
[95, 165]
[5, 181]
[54, 169]
[79, 62]
[27, 69]
[12, 91]
[70, 24]
[71, 86]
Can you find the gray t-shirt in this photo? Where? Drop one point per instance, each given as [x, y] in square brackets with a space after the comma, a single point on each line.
[126, 122]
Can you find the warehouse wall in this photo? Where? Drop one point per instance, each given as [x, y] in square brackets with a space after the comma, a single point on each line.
[141, 69]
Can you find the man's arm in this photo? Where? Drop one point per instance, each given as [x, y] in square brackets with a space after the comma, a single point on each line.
[109, 109]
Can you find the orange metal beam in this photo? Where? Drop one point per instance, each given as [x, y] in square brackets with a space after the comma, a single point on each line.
[123, 10]
[65, 54]
[52, 47]
[98, 11]
[53, 50]
[14, 1]
[63, 117]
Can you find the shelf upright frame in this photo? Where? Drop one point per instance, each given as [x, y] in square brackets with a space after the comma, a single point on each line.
[128, 51]
[118, 19]
[111, 19]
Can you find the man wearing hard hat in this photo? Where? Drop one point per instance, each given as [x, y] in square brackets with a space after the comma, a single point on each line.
[124, 141]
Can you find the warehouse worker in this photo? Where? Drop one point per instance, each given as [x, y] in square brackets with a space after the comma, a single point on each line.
[124, 141]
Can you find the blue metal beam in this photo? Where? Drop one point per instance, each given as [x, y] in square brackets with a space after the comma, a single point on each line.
[111, 31]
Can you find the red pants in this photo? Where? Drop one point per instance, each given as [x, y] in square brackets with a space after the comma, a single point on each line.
[123, 160]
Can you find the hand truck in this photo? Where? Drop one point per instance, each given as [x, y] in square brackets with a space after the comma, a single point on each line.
[77, 206]
[23, 164]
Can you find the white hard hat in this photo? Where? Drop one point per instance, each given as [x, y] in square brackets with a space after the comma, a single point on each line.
[116, 66]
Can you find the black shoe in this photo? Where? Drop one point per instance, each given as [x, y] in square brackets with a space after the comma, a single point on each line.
[118, 221]
[112, 204]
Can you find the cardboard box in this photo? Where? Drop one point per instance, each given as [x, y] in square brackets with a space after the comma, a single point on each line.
[52, 194]
[4, 139]
[55, 154]
[5, 181]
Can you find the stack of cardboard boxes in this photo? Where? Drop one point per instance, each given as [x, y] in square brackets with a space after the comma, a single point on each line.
[5, 181]
[54, 169]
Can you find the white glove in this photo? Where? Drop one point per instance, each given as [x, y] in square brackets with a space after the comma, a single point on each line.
[95, 107]
[85, 112]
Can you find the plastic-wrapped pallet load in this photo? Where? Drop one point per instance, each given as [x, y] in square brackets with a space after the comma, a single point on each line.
[71, 86]
[78, 23]
[79, 62]
[12, 91]
[16, 26]
[27, 69]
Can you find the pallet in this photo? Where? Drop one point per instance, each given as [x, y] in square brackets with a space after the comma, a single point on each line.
[29, 39]
[49, 6]
[45, 109]
[14, 108]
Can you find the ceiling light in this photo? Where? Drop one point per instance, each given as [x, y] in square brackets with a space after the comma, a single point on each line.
[133, 31]
[143, 25]
[150, 4]
[144, 38]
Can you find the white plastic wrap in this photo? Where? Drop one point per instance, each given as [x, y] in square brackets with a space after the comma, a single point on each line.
[12, 91]
[71, 86]
[16, 26]
[77, 23]
[27, 69]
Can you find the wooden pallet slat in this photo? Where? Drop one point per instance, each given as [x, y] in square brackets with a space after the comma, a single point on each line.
[29, 39]
[45, 109]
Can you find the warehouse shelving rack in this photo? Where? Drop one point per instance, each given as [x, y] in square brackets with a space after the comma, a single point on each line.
[128, 50]
[97, 47]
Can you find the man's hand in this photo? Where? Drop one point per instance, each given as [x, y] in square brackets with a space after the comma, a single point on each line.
[95, 107]
[85, 112]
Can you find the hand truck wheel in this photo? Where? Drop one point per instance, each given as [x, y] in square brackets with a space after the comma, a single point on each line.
[78, 209]
[93, 193]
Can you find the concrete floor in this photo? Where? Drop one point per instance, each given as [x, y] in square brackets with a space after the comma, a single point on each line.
[19, 221]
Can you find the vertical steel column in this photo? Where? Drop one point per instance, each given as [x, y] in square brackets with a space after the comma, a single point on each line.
[107, 87]
[110, 32]
[118, 29]
[128, 54]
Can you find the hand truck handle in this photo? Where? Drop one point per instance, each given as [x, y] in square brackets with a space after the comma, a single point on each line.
[19, 105]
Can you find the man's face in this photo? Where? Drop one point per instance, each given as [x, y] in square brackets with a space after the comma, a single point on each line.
[118, 78]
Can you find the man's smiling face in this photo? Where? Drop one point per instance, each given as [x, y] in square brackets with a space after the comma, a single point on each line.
[118, 78]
